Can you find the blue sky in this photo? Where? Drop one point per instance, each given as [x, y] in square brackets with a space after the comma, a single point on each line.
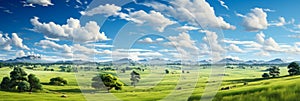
[145, 29]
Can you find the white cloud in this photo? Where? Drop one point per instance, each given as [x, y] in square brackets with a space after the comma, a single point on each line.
[255, 21]
[223, 4]
[107, 10]
[233, 57]
[235, 48]
[146, 40]
[20, 53]
[211, 39]
[54, 46]
[159, 39]
[70, 31]
[6, 42]
[167, 50]
[100, 45]
[38, 2]
[279, 23]
[194, 12]
[260, 37]
[135, 54]
[271, 45]
[153, 18]
[17, 41]
[52, 39]
[184, 45]
[187, 28]
[149, 40]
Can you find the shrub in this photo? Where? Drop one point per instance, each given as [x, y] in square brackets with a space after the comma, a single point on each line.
[23, 86]
[59, 81]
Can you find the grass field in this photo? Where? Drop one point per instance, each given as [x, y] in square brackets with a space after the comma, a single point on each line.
[156, 85]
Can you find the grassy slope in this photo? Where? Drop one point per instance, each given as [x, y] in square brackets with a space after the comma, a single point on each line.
[283, 88]
[49, 92]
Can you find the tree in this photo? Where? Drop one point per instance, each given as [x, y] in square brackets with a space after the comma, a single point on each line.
[59, 81]
[294, 68]
[135, 78]
[107, 81]
[23, 86]
[167, 71]
[17, 75]
[274, 71]
[265, 75]
[34, 82]
[5, 84]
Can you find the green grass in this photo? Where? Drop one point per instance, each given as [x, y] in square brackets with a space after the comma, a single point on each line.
[156, 85]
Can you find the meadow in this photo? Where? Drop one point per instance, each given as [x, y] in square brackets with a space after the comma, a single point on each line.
[155, 84]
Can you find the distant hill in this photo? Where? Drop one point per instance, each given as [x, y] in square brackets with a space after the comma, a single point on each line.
[230, 61]
[275, 61]
[26, 59]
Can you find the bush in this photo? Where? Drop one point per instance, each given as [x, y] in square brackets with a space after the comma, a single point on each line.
[107, 81]
[167, 71]
[59, 81]
[265, 75]
[23, 86]
[5, 84]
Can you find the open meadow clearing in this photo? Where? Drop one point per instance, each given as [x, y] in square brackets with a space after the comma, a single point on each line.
[156, 85]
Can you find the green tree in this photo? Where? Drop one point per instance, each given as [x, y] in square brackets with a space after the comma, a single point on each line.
[34, 82]
[17, 75]
[23, 86]
[265, 75]
[59, 81]
[107, 80]
[167, 71]
[5, 84]
[135, 78]
[274, 71]
[294, 68]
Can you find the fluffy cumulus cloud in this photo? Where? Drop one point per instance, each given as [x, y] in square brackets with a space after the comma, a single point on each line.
[20, 53]
[38, 2]
[281, 22]
[256, 20]
[185, 46]
[235, 48]
[194, 12]
[54, 46]
[264, 46]
[150, 40]
[107, 10]
[7, 42]
[211, 39]
[70, 31]
[17, 41]
[153, 18]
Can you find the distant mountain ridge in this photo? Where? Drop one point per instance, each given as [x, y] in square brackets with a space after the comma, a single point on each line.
[25, 59]
[38, 59]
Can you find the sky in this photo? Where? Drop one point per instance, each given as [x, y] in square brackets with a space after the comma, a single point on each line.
[102, 30]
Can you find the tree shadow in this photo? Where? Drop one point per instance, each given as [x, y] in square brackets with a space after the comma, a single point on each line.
[68, 90]
[254, 79]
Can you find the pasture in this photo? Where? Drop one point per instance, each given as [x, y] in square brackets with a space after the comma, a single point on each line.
[155, 84]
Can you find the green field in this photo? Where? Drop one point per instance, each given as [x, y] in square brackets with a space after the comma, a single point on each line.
[156, 85]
